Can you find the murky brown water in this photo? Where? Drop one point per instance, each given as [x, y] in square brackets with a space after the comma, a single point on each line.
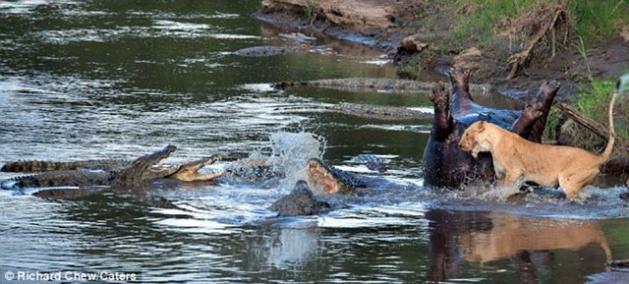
[118, 79]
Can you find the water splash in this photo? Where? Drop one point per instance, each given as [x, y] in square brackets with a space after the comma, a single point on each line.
[594, 203]
[291, 152]
[285, 162]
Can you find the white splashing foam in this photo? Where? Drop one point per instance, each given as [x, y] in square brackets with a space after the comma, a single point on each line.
[173, 25]
[258, 88]
[379, 62]
[423, 109]
[394, 127]
[291, 152]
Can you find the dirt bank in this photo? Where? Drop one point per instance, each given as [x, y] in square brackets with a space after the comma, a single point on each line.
[370, 22]
[512, 45]
[428, 36]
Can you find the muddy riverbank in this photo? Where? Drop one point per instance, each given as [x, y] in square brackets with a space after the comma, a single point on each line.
[581, 44]
[427, 37]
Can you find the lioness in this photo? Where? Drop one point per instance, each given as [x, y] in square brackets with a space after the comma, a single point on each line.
[517, 160]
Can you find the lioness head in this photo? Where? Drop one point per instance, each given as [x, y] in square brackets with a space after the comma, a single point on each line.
[471, 140]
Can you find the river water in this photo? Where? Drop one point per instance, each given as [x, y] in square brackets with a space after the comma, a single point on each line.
[118, 79]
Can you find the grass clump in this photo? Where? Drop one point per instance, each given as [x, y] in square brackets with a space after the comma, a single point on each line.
[595, 104]
[483, 21]
[478, 20]
[598, 20]
[417, 64]
[310, 10]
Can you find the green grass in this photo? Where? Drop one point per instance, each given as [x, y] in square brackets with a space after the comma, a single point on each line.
[479, 24]
[595, 20]
[593, 102]
[552, 122]
[414, 67]
[310, 10]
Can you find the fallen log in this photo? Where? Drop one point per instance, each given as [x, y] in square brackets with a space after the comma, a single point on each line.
[594, 126]
[398, 86]
[615, 166]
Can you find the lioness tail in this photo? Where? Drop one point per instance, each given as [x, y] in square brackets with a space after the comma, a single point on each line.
[612, 134]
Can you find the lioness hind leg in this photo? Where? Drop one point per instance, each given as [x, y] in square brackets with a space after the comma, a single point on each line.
[572, 184]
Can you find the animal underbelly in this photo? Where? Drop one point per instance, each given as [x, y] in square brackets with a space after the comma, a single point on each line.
[543, 179]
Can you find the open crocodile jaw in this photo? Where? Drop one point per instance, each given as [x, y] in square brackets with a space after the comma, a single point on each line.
[190, 172]
[322, 179]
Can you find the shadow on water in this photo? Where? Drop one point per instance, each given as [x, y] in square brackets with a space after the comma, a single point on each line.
[117, 79]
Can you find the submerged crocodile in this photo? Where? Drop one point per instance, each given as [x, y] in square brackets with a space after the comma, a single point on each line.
[397, 86]
[300, 201]
[34, 166]
[116, 173]
[389, 113]
[322, 178]
[265, 50]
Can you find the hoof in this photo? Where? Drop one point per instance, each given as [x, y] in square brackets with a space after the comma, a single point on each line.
[460, 78]
[550, 87]
[440, 97]
[533, 111]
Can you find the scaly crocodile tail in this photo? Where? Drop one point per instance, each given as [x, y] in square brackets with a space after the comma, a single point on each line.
[59, 178]
[33, 166]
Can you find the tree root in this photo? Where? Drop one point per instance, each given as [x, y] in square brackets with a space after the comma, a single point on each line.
[521, 59]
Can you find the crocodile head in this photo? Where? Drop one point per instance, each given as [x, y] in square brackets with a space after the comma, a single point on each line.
[329, 179]
[190, 172]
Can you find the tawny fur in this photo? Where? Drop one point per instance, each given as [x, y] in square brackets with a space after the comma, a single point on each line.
[517, 160]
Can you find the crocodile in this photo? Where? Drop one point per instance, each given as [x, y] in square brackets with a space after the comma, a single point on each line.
[332, 180]
[299, 202]
[372, 162]
[309, 196]
[116, 173]
[381, 85]
[264, 50]
[33, 166]
[389, 113]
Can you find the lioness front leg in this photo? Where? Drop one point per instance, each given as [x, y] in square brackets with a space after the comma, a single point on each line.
[510, 181]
